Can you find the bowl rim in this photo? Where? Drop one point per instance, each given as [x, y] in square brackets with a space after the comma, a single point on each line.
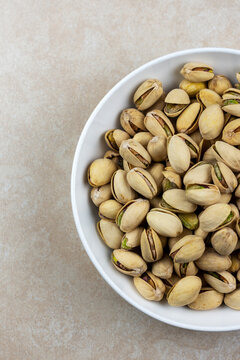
[73, 187]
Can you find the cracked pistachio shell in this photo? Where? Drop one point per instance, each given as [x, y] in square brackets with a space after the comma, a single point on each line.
[197, 72]
[185, 269]
[215, 217]
[189, 220]
[110, 233]
[235, 263]
[231, 93]
[173, 240]
[128, 263]
[121, 190]
[134, 153]
[109, 209]
[115, 157]
[156, 170]
[164, 222]
[211, 122]
[178, 154]
[228, 154]
[202, 194]
[224, 241]
[231, 101]
[101, 194]
[232, 300]
[115, 137]
[207, 300]
[157, 148]
[198, 173]
[163, 268]
[189, 248]
[231, 132]
[176, 101]
[157, 123]
[131, 239]
[149, 286]
[197, 137]
[127, 166]
[159, 104]
[175, 200]
[219, 83]
[185, 291]
[212, 261]
[223, 177]
[192, 146]
[147, 94]
[208, 97]
[187, 121]
[151, 245]
[142, 182]
[100, 172]
[171, 180]
[143, 138]
[192, 88]
[222, 281]
[131, 121]
[132, 214]
[170, 282]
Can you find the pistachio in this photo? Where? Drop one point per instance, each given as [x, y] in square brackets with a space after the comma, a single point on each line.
[211, 122]
[132, 214]
[156, 170]
[201, 233]
[197, 137]
[231, 101]
[109, 209]
[224, 241]
[132, 121]
[185, 291]
[185, 269]
[127, 166]
[189, 221]
[142, 182]
[149, 286]
[131, 239]
[176, 101]
[171, 180]
[115, 137]
[178, 154]
[151, 245]
[173, 240]
[208, 97]
[134, 153]
[100, 172]
[212, 261]
[202, 194]
[110, 233]
[170, 282]
[231, 93]
[121, 190]
[175, 199]
[193, 147]
[216, 216]
[199, 173]
[219, 83]
[187, 121]
[164, 222]
[159, 104]
[115, 157]
[197, 72]
[163, 268]
[101, 194]
[228, 154]
[231, 132]
[232, 300]
[189, 248]
[222, 281]
[207, 300]
[192, 88]
[157, 148]
[157, 123]
[128, 263]
[224, 198]
[143, 138]
[223, 177]
[235, 263]
[147, 94]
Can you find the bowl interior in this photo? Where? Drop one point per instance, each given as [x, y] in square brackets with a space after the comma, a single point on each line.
[91, 145]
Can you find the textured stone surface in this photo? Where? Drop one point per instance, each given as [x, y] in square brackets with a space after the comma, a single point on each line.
[57, 60]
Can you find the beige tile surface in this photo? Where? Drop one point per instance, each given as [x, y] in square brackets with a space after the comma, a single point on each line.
[57, 60]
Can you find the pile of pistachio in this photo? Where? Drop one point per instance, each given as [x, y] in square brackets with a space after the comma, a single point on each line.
[168, 191]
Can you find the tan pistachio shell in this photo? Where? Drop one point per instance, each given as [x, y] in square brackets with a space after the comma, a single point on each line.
[149, 286]
[201, 233]
[115, 137]
[225, 284]
[100, 172]
[132, 238]
[189, 248]
[115, 157]
[128, 262]
[219, 83]
[232, 300]
[147, 94]
[109, 209]
[187, 121]
[157, 123]
[164, 222]
[171, 180]
[134, 153]
[132, 214]
[214, 217]
[227, 154]
[228, 181]
[159, 104]
[231, 93]
[197, 137]
[212, 261]
[185, 291]
[132, 121]
[176, 101]
[157, 148]
[178, 154]
[173, 240]
[100, 194]
[208, 97]
[202, 194]
[224, 241]
[207, 300]
[163, 268]
[127, 166]
[156, 170]
[192, 145]
[197, 72]
[176, 199]
[192, 88]
[121, 190]
[110, 233]
[233, 109]
[143, 138]
[185, 269]
[231, 132]
[151, 245]
[211, 122]
[142, 181]
[199, 173]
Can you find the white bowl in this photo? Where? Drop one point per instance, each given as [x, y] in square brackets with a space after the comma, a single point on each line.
[91, 145]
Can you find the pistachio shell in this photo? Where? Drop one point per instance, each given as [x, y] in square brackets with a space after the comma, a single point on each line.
[177, 96]
[235, 263]
[224, 241]
[199, 173]
[187, 121]
[100, 172]
[115, 137]
[189, 220]
[159, 104]
[232, 300]
[157, 123]
[185, 269]
[185, 291]
[224, 178]
[171, 180]
[127, 166]
[128, 263]
[192, 146]
[132, 214]
[156, 170]
[206, 152]
[201, 233]
[100, 194]
[115, 157]
[227, 154]
[149, 286]
[189, 248]
[197, 137]
[222, 281]
[132, 121]
[163, 268]
[142, 182]
[208, 97]
[192, 88]
[207, 300]
[214, 217]
[157, 148]
[202, 194]
[147, 94]
[178, 154]
[173, 240]
[211, 122]
[231, 93]
[231, 132]
[232, 107]
[109, 209]
[219, 83]
[164, 222]
[151, 245]
[131, 239]
[110, 233]
[197, 72]
[134, 153]
[143, 138]
[176, 199]
[121, 190]
[212, 261]
[224, 198]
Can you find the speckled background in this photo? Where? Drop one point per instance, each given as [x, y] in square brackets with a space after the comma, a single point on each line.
[57, 60]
